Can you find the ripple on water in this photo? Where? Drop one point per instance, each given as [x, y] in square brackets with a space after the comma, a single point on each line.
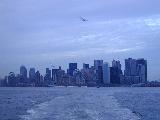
[86, 105]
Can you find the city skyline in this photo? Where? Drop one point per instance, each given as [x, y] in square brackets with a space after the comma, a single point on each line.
[66, 67]
[78, 66]
[99, 74]
[41, 33]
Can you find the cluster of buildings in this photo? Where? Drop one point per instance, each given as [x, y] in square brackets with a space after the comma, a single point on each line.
[100, 74]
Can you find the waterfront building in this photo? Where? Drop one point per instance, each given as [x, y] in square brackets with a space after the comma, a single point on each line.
[32, 75]
[47, 77]
[116, 64]
[90, 76]
[60, 74]
[23, 73]
[142, 69]
[65, 80]
[79, 78]
[114, 75]
[4, 81]
[135, 71]
[72, 68]
[130, 67]
[38, 78]
[106, 73]
[42, 80]
[85, 66]
[54, 75]
[11, 79]
[98, 65]
[115, 72]
[48, 73]
[132, 80]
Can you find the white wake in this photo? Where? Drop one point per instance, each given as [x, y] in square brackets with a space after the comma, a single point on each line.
[81, 104]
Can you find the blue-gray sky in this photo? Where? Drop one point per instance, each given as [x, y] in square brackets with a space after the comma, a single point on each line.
[38, 33]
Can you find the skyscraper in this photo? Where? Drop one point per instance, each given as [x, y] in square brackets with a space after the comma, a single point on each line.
[116, 64]
[135, 71]
[72, 67]
[23, 73]
[32, 75]
[47, 77]
[85, 66]
[79, 78]
[115, 72]
[142, 69]
[55, 75]
[106, 73]
[38, 78]
[48, 72]
[98, 65]
[12, 79]
[130, 67]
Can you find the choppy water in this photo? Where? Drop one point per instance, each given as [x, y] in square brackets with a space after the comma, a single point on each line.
[79, 103]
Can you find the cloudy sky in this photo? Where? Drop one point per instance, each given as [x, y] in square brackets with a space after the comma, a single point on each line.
[38, 33]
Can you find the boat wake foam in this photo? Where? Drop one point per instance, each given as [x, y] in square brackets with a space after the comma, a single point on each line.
[81, 105]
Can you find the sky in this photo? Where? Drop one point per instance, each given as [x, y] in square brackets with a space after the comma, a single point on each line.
[41, 33]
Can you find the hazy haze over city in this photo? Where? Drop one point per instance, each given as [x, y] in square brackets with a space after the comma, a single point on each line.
[38, 33]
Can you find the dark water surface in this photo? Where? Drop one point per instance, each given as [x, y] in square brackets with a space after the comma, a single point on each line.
[145, 102]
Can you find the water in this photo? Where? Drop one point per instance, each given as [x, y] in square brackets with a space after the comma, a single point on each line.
[79, 103]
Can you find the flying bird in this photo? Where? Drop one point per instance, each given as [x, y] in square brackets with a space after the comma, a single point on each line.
[83, 19]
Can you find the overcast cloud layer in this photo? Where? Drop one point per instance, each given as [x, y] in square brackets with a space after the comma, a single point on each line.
[38, 33]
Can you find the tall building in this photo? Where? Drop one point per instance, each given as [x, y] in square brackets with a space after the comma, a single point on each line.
[135, 71]
[60, 74]
[106, 73]
[130, 67]
[11, 79]
[32, 75]
[142, 69]
[23, 73]
[130, 72]
[65, 80]
[47, 77]
[4, 81]
[55, 75]
[116, 64]
[48, 72]
[114, 75]
[98, 65]
[41, 80]
[115, 72]
[90, 76]
[38, 78]
[85, 66]
[72, 68]
[79, 78]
